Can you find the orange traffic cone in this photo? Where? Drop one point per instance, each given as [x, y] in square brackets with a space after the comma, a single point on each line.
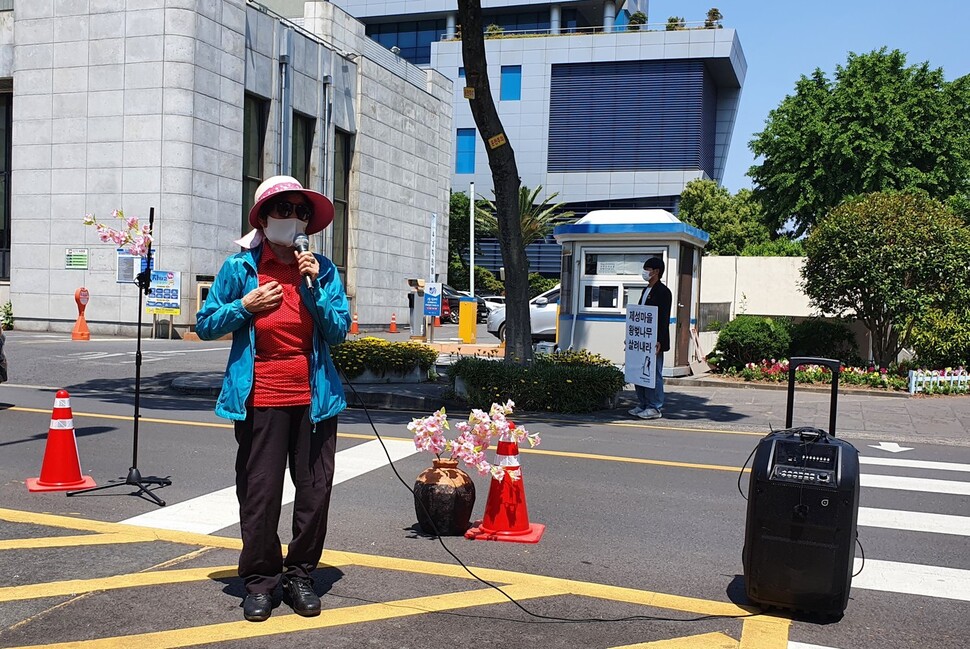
[437, 321]
[393, 328]
[354, 329]
[506, 515]
[62, 468]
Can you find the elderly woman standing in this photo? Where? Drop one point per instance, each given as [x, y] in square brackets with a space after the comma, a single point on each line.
[284, 309]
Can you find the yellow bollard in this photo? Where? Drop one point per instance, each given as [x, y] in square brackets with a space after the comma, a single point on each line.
[467, 319]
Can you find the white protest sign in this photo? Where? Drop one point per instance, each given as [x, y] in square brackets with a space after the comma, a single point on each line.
[641, 345]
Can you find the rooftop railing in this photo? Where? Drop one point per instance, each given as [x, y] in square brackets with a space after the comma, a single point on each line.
[598, 29]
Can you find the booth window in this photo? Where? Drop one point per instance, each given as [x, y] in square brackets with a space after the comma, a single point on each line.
[601, 297]
[610, 280]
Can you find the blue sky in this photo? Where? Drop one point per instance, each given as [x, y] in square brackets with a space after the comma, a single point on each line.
[783, 40]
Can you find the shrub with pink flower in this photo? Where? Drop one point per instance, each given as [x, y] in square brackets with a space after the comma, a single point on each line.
[134, 238]
[474, 437]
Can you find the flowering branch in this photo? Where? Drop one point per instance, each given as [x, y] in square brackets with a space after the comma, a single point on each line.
[474, 437]
[133, 238]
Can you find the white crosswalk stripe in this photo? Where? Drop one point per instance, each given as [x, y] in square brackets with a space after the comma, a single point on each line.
[219, 510]
[883, 574]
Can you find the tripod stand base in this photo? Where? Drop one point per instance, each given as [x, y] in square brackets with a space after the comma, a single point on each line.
[134, 479]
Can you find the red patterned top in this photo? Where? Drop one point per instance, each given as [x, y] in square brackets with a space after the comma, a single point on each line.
[284, 340]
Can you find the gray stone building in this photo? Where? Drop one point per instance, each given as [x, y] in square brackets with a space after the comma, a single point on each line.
[185, 106]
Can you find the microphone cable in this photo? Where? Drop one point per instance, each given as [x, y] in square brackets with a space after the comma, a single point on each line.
[542, 619]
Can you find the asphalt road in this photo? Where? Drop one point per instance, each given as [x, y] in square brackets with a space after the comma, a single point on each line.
[642, 520]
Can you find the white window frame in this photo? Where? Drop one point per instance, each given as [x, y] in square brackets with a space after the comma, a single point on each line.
[623, 283]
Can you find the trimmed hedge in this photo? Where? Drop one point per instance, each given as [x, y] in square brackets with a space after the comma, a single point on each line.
[750, 338]
[552, 384]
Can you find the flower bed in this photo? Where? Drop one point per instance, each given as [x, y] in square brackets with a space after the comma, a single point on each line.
[776, 371]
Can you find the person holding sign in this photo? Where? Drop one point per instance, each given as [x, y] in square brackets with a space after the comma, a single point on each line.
[650, 400]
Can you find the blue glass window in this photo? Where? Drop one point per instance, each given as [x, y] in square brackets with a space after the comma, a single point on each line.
[511, 83]
[465, 151]
[461, 73]
[414, 38]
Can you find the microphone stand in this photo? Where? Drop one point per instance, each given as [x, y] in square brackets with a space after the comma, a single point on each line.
[135, 479]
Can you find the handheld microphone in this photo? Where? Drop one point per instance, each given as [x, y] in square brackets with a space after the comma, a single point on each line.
[302, 244]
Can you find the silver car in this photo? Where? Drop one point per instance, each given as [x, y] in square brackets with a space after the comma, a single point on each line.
[543, 310]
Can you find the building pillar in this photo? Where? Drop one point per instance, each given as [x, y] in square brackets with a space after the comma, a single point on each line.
[609, 15]
[450, 26]
[555, 19]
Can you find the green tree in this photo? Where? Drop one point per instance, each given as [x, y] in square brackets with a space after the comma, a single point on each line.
[879, 125]
[505, 181]
[735, 223]
[537, 219]
[637, 19]
[887, 258]
[458, 239]
[714, 18]
[676, 23]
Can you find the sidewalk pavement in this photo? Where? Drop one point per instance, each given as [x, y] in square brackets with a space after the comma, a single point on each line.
[692, 402]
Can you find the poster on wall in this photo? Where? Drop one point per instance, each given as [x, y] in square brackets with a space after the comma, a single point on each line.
[164, 298]
[641, 345]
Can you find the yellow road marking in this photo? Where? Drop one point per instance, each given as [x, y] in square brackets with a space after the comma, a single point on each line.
[149, 420]
[70, 541]
[684, 429]
[632, 460]
[279, 624]
[703, 641]
[758, 631]
[765, 632]
[581, 456]
[79, 586]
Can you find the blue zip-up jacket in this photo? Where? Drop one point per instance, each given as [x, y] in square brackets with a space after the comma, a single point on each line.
[223, 313]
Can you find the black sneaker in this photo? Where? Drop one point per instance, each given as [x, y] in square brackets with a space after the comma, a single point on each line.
[257, 607]
[302, 598]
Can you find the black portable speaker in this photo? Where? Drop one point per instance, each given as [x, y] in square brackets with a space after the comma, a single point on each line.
[803, 506]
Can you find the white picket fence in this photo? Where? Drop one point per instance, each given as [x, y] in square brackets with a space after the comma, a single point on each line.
[920, 381]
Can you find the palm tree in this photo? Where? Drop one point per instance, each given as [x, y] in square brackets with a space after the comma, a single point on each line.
[538, 219]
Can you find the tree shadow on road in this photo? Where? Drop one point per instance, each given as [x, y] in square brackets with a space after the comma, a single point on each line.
[156, 393]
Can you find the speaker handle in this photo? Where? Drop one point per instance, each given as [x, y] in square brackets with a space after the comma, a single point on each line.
[834, 365]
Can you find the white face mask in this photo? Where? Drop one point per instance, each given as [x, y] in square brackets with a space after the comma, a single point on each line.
[646, 275]
[283, 231]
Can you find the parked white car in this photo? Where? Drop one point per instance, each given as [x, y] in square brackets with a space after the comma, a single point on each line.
[494, 301]
[543, 310]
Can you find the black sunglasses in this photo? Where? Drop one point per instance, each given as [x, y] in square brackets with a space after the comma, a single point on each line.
[285, 208]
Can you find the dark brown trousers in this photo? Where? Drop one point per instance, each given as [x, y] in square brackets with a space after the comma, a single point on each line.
[267, 439]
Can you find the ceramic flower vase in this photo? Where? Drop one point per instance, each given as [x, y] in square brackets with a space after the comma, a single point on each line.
[444, 496]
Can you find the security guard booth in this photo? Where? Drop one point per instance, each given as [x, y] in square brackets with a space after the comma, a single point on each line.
[602, 260]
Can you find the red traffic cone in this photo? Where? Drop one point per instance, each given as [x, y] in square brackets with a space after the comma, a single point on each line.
[354, 328]
[393, 328]
[506, 515]
[62, 468]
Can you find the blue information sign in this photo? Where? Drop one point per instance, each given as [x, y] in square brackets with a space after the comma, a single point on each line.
[432, 299]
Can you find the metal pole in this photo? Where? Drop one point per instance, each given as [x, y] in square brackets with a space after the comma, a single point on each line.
[471, 239]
